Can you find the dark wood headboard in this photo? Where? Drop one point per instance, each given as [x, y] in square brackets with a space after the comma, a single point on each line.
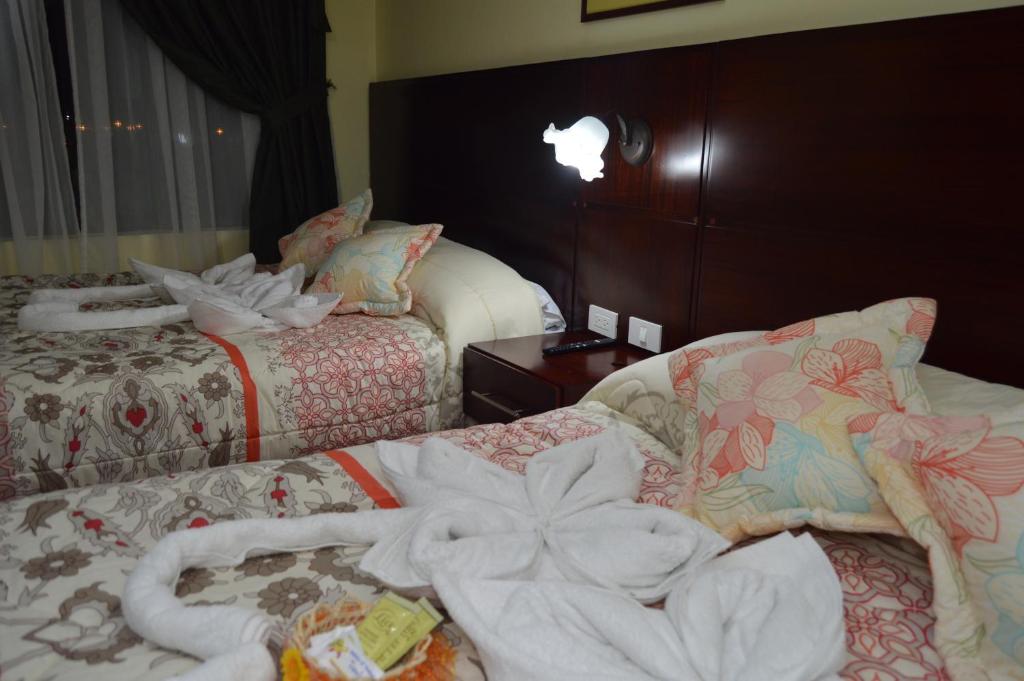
[793, 175]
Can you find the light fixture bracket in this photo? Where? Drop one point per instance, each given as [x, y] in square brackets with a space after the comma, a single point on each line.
[636, 141]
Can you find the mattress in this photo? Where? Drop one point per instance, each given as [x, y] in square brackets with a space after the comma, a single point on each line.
[66, 556]
[94, 407]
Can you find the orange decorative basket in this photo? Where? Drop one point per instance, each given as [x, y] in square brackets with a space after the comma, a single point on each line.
[432, 659]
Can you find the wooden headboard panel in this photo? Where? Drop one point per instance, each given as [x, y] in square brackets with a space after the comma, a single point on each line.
[465, 150]
[793, 175]
[853, 165]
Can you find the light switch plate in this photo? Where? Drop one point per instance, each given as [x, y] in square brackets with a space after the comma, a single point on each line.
[643, 334]
[602, 321]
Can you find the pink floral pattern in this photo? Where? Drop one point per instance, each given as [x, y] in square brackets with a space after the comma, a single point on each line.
[765, 419]
[887, 608]
[370, 271]
[355, 379]
[854, 368]
[961, 467]
[957, 486]
[314, 239]
[761, 390]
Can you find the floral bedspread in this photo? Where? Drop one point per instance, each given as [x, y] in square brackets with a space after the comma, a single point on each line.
[64, 557]
[111, 406]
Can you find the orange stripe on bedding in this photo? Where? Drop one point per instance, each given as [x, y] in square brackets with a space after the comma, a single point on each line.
[370, 485]
[249, 398]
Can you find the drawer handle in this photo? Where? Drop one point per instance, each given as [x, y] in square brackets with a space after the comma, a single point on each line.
[487, 399]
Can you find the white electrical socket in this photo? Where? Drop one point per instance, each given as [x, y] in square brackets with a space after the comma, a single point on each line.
[602, 321]
[644, 334]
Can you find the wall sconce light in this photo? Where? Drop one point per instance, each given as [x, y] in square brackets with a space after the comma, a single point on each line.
[582, 144]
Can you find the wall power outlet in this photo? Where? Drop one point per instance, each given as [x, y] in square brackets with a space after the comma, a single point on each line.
[643, 334]
[602, 321]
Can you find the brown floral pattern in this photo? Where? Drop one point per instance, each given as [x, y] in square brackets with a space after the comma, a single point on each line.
[43, 409]
[77, 409]
[66, 563]
[338, 564]
[284, 596]
[214, 386]
[96, 641]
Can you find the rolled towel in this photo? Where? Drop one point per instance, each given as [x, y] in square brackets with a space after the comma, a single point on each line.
[94, 294]
[66, 317]
[210, 632]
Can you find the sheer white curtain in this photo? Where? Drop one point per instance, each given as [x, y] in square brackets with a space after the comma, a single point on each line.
[37, 204]
[156, 155]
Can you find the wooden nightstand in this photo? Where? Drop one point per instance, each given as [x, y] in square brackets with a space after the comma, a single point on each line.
[508, 379]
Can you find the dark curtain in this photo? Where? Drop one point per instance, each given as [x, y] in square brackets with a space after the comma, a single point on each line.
[266, 57]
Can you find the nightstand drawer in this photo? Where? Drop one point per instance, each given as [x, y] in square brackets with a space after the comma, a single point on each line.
[494, 392]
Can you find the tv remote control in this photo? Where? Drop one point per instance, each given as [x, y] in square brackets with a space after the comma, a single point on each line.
[579, 345]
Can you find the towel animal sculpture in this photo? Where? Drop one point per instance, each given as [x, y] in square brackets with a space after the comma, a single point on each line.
[529, 564]
[224, 299]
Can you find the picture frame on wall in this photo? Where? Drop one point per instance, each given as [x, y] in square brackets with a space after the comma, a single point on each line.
[592, 10]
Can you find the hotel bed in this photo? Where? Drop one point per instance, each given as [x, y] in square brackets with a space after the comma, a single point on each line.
[66, 554]
[78, 409]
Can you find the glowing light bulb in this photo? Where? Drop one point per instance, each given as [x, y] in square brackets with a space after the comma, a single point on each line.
[219, 131]
[580, 146]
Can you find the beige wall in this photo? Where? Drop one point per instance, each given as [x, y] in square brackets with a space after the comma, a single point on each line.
[423, 37]
[351, 66]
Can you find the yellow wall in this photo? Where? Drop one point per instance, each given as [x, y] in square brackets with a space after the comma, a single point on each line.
[423, 37]
[351, 66]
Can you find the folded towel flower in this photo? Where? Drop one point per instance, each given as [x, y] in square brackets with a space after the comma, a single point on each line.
[570, 517]
[224, 299]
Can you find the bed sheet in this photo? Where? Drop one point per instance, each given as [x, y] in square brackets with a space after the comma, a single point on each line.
[110, 406]
[65, 557]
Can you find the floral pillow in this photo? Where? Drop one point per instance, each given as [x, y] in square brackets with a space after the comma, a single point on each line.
[370, 270]
[957, 485]
[766, 445]
[315, 238]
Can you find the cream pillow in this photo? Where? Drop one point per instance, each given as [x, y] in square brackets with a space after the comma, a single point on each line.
[370, 271]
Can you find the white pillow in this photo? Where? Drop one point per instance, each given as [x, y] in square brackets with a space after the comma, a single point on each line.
[953, 394]
[553, 319]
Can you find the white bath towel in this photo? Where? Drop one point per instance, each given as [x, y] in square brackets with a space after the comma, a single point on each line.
[769, 611]
[224, 299]
[95, 294]
[65, 316]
